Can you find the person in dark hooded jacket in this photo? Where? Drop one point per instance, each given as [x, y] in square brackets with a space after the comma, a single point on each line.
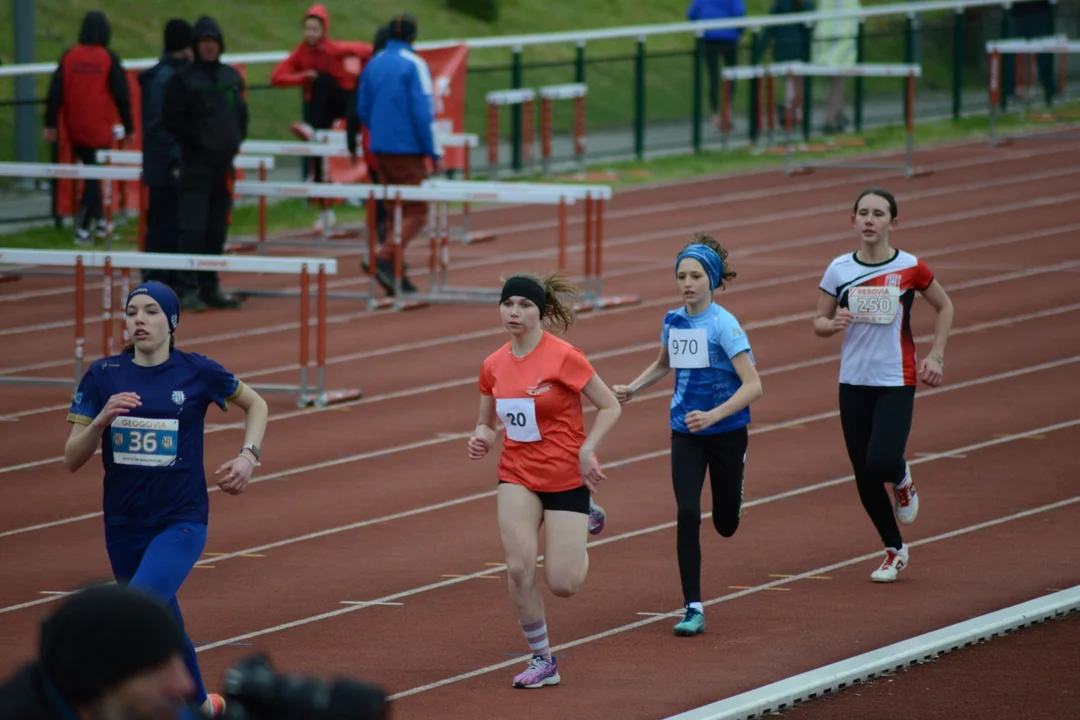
[90, 86]
[161, 151]
[205, 109]
[108, 651]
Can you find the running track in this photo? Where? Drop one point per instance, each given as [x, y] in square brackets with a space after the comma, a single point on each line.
[375, 502]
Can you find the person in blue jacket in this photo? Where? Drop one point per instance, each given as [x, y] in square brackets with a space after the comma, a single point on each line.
[715, 383]
[717, 43]
[396, 103]
[161, 151]
[146, 409]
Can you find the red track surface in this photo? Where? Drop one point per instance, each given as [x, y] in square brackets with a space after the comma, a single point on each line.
[376, 500]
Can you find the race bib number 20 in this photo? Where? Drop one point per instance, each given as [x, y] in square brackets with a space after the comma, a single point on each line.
[144, 442]
[874, 304]
[519, 417]
[688, 348]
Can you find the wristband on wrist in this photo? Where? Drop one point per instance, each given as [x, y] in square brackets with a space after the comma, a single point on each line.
[940, 360]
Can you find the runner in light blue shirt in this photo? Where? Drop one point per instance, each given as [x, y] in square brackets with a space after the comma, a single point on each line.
[715, 382]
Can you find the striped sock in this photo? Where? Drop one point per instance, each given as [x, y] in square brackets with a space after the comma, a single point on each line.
[536, 634]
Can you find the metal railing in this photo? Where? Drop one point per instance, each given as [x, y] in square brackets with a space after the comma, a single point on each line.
[664, 88]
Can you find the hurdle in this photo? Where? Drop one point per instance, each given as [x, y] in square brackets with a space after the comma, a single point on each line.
[75, 171]
[593, 197]
[548, 95]
[465, 141]
[260, 163]
[442, 193]
[766, 95]
[794, 74]
[1028, 49]
[496, 99]
[307, 395]
[328, 144]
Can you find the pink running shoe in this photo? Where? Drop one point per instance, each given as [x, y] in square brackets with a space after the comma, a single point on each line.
[597, 518]
[539, 673]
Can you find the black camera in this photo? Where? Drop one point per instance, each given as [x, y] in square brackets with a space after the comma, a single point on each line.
[254, 690]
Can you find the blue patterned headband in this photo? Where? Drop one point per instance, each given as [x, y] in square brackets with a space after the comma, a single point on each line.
[164, 296]
[709, 259]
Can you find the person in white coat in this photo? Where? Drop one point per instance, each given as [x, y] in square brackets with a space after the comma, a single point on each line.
[835, 46]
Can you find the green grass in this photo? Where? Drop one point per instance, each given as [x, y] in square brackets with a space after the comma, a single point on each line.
[297, 214]
[274, 25]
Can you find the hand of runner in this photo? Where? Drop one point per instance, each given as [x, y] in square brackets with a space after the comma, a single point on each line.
[590, 469]
[480, 443]
[842, 319]
[623, 393]
[118, 404]
[698, 421]
[240, 469]
[931, 372]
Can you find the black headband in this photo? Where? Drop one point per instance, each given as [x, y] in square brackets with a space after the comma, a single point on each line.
[526, 288]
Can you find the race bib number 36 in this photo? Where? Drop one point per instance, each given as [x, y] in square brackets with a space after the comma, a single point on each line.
[144, 442]
[519, 417]
[874, 304]
[688, 348]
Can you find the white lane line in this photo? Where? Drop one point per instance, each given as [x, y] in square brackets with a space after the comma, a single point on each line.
[736, 595]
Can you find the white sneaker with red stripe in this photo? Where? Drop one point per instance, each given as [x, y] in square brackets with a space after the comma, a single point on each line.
[907, 501]
[894, 562]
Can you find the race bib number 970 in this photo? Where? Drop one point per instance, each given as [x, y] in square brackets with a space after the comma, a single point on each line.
[874, 304]
[519, 417]
[688, 348]
[144, 442]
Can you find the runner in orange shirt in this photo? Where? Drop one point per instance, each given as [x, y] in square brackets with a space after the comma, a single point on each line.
[548, 468]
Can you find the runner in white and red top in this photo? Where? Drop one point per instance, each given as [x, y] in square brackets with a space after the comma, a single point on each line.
[868, 295]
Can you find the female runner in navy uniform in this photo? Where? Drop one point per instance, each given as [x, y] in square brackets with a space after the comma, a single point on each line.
[146, 408]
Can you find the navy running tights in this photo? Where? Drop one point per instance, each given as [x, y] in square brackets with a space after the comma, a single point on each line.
[158, 560]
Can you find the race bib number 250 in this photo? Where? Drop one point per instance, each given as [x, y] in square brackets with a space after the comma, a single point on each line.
[144, 442]
[877, 305]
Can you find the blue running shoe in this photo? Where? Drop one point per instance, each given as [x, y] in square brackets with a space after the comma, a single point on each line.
[693, 623]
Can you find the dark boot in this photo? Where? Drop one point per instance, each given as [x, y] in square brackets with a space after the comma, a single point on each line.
[215, 298]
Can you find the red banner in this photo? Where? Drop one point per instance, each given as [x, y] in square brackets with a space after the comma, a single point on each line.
[123, 194]
[448, 69]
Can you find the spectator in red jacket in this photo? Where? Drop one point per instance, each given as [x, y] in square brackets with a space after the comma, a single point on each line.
[318, 65]
[90, 86]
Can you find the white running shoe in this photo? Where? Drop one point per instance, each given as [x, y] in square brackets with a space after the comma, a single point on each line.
[891, 567]
[907, 501]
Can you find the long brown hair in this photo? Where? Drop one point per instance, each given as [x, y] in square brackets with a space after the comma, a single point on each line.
[559, 314]
[709, 242]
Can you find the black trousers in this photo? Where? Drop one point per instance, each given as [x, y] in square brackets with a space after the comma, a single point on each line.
[876, 422]
[162, 229]
[326, 105]
[724, 456]
[205, 203]
[713, 50]
[91, 207]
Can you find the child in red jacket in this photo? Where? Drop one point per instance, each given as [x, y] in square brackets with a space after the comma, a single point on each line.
[318, 64]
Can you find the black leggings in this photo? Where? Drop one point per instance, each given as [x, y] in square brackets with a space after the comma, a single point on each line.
[876, 422]
[723, 455]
